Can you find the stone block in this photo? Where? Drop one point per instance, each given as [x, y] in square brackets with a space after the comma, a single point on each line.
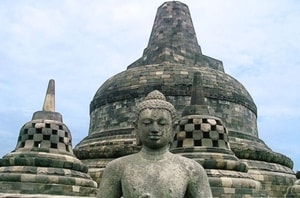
[45, 144]
[47, 131]
[54, 138]
[212, 121]
[61, 133]
[38, 137]
[181, 135]
[214, 135]
[61, 146]
[183, 122]
[189, 127]
[207, 142]
[205, 127]
[39, 125]
[220, 128]
[189, 142]
[31, 131]
[197, 121]
[29, 143]
[197, 135]
[222, 144]
[28, 178]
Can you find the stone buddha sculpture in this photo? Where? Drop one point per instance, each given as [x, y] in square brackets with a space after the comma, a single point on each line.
[154, 172]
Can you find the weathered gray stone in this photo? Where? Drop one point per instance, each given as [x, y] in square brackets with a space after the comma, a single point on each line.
[43, 161]
[154, 171]
[169, 66]
[237, 162]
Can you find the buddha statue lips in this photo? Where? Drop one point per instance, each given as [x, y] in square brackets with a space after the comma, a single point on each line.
[154, 136]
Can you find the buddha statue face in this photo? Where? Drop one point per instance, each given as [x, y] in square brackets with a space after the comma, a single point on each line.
[155, 128]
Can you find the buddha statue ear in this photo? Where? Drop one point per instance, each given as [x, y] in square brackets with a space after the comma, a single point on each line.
[135, 131]
[174, 130]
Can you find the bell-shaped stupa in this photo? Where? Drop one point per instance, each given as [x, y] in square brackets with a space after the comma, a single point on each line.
[168, 64]
[43, 163]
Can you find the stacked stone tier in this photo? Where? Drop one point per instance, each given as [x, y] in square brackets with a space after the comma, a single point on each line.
[275, 178]
[107, 144]
[252, 148]
[43, 161]
[294, 191]
[233, 184]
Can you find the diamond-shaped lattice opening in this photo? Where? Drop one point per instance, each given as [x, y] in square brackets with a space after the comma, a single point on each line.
[39, 130]
[25, 131]
[46, 137]
[37, 144]
[67, 148]
[215, 143]
[179, 143]
[53, 145]
[189, 134]
[221, 136]
[197, 143]
[205, 135]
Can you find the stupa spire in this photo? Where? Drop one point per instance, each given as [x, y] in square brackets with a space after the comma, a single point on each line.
[197, 105]
[48, 111]
[173, 29]
[197, 97]
[49, 102]
[173, 40]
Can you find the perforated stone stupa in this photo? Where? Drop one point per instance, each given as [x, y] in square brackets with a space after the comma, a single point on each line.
[205, 139]
[43, 163]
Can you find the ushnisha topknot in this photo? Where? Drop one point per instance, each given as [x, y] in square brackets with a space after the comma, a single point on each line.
[156, 100]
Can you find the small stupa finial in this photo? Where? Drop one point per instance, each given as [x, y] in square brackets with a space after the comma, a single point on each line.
[49, 102]
[197, 96]
[197, 105]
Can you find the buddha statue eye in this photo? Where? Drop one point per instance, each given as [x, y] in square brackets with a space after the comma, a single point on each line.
[147, 121]
[163, 122]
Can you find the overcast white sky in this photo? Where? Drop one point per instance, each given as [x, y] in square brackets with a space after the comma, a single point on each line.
[81, 43]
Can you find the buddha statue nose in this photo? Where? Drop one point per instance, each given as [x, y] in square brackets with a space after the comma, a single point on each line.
[155, 127]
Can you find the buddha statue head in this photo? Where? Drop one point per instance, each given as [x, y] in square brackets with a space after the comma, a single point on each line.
[155, 121]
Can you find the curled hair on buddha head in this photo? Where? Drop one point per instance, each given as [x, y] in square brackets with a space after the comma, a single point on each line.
[157, 100]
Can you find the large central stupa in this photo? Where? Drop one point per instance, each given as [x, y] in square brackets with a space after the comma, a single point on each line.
[168, 64]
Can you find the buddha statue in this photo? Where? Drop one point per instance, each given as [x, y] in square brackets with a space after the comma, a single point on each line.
[154, 172]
